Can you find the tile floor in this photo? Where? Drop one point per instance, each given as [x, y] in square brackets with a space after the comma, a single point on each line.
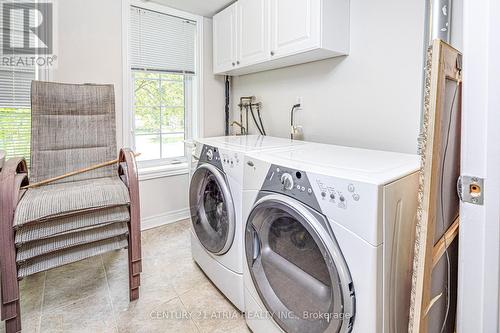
[92, 295]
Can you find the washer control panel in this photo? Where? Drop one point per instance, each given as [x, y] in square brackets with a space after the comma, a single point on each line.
[210, 155]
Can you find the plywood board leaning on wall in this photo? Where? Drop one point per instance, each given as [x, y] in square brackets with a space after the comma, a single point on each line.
[433, 298]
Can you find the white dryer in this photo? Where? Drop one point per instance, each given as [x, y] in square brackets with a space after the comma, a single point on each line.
[215, 202]
[328, 239]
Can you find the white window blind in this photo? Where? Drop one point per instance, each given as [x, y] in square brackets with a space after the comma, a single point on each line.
[161, 42]
[15, 91]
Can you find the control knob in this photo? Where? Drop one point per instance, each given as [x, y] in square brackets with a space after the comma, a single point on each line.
[210, 154]
[287, 181]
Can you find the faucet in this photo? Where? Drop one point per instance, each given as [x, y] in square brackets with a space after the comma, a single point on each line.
[243, 129]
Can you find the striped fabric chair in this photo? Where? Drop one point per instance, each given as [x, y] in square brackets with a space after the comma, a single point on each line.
[73, 127]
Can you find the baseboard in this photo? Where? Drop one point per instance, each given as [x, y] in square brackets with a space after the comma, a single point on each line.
[165, 218]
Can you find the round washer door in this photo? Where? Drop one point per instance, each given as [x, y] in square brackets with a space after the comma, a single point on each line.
[297, 267]
[212, 209]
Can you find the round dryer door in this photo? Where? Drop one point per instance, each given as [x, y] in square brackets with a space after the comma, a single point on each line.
[297, 267]
[212, 209]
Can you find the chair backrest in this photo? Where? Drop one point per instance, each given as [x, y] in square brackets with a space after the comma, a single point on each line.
[72, 127]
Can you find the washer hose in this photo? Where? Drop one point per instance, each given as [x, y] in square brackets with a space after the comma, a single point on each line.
[255, 120]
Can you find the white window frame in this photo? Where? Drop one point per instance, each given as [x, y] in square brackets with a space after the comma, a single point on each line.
[193, 105]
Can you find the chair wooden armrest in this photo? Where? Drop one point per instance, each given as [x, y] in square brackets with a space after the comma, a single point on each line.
[14, 174]
[128, 173]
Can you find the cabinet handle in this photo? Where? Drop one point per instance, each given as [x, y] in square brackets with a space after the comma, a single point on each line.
[233, 63]
[272, 53]
[237, 63]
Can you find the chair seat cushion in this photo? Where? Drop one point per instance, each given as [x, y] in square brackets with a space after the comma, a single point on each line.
[72, 223]
[67, 256]
[57, 200]
[45, 246]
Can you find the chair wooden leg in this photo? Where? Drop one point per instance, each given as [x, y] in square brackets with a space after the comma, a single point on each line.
[128, 169]
[134, 272]
[13, 325]
[134, 254]
[13, 175]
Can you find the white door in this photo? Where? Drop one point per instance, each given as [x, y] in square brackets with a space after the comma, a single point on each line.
[295, 26]
[479, 242]
[253, 31]
[224, 39]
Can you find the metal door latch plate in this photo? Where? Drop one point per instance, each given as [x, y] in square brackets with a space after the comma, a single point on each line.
[471, 189]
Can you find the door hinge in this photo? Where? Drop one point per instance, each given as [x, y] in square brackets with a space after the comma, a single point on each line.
[471, 189]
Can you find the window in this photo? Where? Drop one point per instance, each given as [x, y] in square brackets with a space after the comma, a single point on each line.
[162, 68]
[15, 111]
[160, 114]
[15, 102]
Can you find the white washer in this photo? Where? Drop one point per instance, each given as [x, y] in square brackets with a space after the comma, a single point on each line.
[328, 239]
[215, 202]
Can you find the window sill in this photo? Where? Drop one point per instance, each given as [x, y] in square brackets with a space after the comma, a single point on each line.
[169, 170]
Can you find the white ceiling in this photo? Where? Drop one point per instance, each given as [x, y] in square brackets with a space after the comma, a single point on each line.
[201, 7]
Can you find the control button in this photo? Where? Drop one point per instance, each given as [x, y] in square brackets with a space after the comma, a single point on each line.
[278, 170]
[350, 188]
[309, 191]
[287, 181]
[332, 196]
[323, 194]
[298, 187]
[303, 189]
[210, 154]
[342, 198]
[355, 196]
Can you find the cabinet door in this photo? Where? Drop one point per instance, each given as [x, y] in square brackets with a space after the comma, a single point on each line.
[253, 31]
[295, 26]
[224, 39]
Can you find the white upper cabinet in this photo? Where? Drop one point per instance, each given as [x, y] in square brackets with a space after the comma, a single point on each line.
[224, 39]
[296, 26]
[253, 31]
[268, 34]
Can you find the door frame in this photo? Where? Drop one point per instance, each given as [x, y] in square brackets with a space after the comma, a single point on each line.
[479, 236]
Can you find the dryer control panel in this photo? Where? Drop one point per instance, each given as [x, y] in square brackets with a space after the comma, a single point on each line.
[293, 183]
[355, 205]
[337, 194]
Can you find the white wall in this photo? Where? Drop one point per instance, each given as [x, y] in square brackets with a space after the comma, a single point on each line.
[213, 88]
[90, 51]
[370, 98]
[164, 200]
[89, 46]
